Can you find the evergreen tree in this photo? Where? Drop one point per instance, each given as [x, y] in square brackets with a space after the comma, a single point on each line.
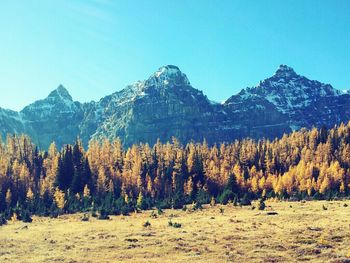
[65, 169]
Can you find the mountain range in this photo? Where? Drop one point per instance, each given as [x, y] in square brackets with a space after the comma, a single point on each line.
[166, 105]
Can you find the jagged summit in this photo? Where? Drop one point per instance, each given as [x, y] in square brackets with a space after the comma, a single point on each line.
[286, 90]
[168, 75]
[60, 93]
[285, 71]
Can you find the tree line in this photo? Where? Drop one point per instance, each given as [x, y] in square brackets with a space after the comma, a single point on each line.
[106, 177]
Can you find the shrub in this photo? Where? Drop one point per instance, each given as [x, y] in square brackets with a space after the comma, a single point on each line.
[141, 203]
[54, 213]
[3, 220]
[178, 200]
[212, 201]
[118, 205]
[345, 205]
[245, 200]
[235, 201]
[26, 217]
[103, 215]
[165, 204]
[324, 207]
[175, 224]
[202, 197]
[125, 210]
[14, 217]
[146, 224]
[93, 213]
[85, 218]
[221, 210]
[153, 215]
[196, 206]
[160, 210]
[226, 196]
[261, 205]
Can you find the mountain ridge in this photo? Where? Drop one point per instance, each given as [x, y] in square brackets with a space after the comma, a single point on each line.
[166, 105]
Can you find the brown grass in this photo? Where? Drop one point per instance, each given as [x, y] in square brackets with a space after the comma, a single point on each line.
[299, 232]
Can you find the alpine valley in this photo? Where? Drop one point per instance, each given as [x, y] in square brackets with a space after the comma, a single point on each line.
[166, 105]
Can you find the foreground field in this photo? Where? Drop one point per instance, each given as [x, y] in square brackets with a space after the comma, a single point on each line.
[317, 231]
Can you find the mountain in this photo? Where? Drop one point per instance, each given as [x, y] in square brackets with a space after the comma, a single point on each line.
[55, 118]
[302, 102]
[166, 105]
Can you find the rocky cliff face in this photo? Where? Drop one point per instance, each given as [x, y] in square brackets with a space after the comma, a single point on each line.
[166, 105]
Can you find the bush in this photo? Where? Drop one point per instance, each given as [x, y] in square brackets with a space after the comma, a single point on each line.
[103, 215]
[85, 218]
[165, 204]
[221, 210]
[178, 200]
[3, 220]
[118, 205]
[226, 196]
[26, 217]
[160, 211]
[54, 213]
[202, 197]
[125, 210]
[261, 205]
[175, 225]
[93, 213]
[235, 201]
[196, 206]
[212, 201]
[153, 215]
[245, 200]
[146, 224]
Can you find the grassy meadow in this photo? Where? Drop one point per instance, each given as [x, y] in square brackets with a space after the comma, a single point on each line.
[313, 231]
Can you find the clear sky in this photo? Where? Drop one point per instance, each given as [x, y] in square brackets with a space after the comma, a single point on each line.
[95, 48]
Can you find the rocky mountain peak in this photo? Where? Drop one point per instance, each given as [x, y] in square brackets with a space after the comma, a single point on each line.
[169, 75]
[60, 93]
[285, 71]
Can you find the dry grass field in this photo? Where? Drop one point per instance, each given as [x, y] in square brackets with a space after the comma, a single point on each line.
[300, 232]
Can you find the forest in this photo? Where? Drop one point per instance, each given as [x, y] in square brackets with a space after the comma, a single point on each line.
[108, 179]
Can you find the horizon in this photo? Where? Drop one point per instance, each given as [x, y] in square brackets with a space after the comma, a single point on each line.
[96, 48]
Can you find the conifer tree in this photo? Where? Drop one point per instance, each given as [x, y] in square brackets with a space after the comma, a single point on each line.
[59, 198]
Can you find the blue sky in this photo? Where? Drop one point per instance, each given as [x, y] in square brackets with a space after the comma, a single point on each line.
[95, 48]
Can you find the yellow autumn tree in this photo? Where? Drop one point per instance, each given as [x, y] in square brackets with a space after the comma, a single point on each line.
[59, 198]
